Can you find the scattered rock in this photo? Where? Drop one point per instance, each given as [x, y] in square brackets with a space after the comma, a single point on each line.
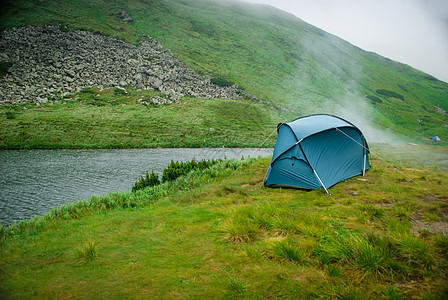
[122, 14]
[440, 110]
[48, 63]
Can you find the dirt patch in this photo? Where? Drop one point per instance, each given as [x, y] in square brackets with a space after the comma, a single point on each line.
[436, 227]
[351, 192]
[418, 225]
[384, 204]
[430, 198]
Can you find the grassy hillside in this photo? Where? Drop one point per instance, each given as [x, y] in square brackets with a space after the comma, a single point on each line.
[269, 53]
[94, 119]
[218, 234]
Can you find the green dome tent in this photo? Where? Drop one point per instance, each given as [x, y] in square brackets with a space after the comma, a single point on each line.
[316, 152]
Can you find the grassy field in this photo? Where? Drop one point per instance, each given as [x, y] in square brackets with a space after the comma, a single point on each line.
[93, 119]
[108, 119]
[219, 234]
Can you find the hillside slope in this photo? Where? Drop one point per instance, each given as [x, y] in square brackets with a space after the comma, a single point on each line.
[269, 53]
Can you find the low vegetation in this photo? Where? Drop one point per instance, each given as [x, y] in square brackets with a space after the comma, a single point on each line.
[388, 93]
[96, 118]
[218, 233]
[172, 172]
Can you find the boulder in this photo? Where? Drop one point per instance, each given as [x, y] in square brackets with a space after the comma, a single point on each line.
[122, 14]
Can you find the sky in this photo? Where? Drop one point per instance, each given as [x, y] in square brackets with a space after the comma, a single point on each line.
[414, 32]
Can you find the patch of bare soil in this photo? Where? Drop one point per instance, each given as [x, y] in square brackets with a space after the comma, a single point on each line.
[434, 227]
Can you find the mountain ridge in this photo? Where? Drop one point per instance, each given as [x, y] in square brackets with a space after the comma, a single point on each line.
[270, 54]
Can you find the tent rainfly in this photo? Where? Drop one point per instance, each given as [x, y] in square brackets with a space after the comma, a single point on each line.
[317, 152]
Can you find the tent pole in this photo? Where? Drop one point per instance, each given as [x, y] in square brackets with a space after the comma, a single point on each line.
[315, 173]
[321, 183]
[364, 167]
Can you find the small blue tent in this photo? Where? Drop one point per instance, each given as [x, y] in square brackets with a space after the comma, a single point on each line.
[316, 152]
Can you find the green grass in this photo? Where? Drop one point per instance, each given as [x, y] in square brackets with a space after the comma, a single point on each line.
[208, 235]
[94, 119]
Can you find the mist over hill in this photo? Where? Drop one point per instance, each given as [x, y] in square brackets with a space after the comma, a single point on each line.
[289, 64]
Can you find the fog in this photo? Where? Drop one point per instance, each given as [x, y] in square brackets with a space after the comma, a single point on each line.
[414, 32]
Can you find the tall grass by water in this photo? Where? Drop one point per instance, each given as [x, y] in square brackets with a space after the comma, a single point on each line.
[119, 200]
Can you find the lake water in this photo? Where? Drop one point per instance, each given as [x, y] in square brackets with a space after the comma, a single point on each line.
[34, 181]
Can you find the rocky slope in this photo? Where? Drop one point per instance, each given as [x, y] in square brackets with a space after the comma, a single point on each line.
[48, 63]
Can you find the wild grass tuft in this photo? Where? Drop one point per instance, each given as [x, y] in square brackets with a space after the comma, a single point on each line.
[237, 286]
[403, 211]
[371, 210]
[391, 293]
[333, 270]
[241, 230]
[253, 251]
[441, 242]
[416, 252]
[285, 251]
[343, 291]
[369, 254]
[87, 253]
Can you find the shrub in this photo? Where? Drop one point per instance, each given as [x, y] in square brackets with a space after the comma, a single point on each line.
[10, 115]
[221, 82]
[148, 180]
[177, 169]
[390, 94]
[375, 99]
[172, 172]
[4, 66]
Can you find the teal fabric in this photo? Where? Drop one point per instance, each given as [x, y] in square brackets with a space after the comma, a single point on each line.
[317, 147]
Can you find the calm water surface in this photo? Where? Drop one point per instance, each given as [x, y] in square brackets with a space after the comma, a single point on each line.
[34, 181]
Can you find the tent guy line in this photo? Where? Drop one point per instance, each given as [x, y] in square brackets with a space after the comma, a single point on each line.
[389, 164]
[256, 148]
